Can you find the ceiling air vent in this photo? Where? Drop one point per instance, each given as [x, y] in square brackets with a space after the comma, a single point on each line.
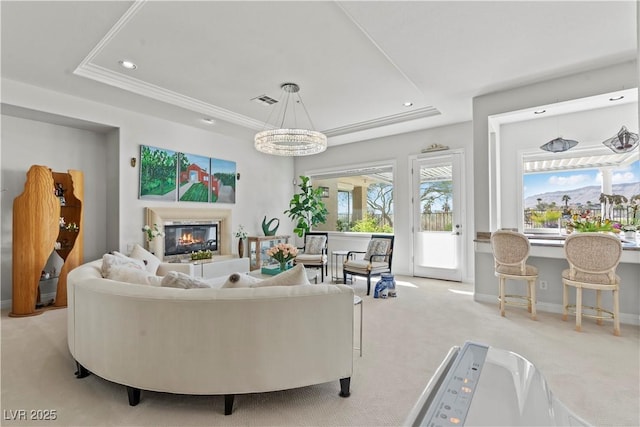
[264, 100]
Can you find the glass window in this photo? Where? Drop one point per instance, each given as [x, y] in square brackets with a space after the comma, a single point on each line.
[611, 192]
[358, 200]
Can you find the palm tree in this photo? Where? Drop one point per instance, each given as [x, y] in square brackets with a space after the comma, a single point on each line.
[566, 199]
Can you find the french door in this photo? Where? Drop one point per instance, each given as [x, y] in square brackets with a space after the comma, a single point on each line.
[438, 212]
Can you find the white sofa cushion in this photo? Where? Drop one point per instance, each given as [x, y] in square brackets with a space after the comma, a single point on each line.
[295, 276]
[150, 260]
[123, 273]
[311, 259]
[240, 280]
[109, 260]
[175, 279]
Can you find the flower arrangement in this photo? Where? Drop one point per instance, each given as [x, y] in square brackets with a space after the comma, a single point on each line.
[206, 254]
[587, 222]
[283, 253]
[152, 232]
[241, 233]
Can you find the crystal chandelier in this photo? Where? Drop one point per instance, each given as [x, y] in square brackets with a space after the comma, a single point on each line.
[284, 141]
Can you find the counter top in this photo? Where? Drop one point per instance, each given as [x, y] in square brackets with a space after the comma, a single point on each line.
[558, 241]
[552, 247]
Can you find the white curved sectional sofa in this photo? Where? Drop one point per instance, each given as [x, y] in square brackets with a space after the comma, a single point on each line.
[209, 341]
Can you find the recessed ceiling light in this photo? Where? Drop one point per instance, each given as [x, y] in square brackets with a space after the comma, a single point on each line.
[540, 112]
[617, 98]
[208, 121]
[408, 104]
[127, 64]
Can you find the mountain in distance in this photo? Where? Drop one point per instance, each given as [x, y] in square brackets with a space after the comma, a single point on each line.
[581, 195]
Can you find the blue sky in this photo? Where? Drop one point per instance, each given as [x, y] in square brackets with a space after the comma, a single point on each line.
[553, 181]
[223, 166]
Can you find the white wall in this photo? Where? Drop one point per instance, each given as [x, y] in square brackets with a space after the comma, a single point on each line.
[264, 188]
[397, 150]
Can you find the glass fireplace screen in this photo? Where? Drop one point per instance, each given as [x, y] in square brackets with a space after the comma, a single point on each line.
[187, 238]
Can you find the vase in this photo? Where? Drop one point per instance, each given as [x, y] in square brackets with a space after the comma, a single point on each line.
[240, 248]
[156, 247]
[283, 266]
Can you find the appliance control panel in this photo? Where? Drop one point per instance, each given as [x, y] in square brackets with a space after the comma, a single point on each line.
[450, 403]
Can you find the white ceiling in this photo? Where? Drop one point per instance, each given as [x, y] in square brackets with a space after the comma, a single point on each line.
[356, 62]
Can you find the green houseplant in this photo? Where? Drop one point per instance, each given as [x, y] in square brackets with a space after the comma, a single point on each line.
[306, 208]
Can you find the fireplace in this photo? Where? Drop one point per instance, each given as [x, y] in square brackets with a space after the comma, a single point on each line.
[186, 237]
[191, 229]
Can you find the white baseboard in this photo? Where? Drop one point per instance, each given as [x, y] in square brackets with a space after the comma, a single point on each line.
[629, 319]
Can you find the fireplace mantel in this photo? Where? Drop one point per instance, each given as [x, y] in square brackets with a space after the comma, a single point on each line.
[160, 215]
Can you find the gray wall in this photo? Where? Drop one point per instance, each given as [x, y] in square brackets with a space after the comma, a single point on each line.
[590, 83]
[29, 142]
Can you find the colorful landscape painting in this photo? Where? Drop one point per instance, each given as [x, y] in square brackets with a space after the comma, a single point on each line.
[223, 181]
[157, 173]
[172, 176]
[194, 178]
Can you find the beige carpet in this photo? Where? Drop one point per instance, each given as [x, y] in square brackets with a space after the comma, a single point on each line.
[596, 374]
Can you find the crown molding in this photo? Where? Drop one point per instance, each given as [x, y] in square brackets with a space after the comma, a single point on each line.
[88, 69]
[418, 113]
[158, 93]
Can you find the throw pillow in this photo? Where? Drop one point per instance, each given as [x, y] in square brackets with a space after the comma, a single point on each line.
[108, 261]
[295, 276]
[175, 279]
[126, 274]
[240, 280]
[377, 247]
[216, 282]
[314, 245]
[151, 261]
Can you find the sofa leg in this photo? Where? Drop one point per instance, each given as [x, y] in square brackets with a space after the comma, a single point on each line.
[228, 403]
[368, 285]
[345, 383]
[81, 371]
[134, 395]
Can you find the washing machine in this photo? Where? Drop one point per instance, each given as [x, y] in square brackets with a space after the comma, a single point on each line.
[479, 385]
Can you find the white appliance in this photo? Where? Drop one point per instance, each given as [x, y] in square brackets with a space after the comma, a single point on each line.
[478, 385]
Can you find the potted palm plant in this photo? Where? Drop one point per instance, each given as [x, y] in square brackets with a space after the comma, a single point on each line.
[306, 208]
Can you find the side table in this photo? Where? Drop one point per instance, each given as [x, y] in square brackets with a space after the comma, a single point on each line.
[338, 256]
[358, 301]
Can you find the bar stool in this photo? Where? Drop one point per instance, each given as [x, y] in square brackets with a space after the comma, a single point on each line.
[593, 259]
[510, 253]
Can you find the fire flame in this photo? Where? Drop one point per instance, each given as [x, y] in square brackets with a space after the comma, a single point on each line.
[187, 239]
